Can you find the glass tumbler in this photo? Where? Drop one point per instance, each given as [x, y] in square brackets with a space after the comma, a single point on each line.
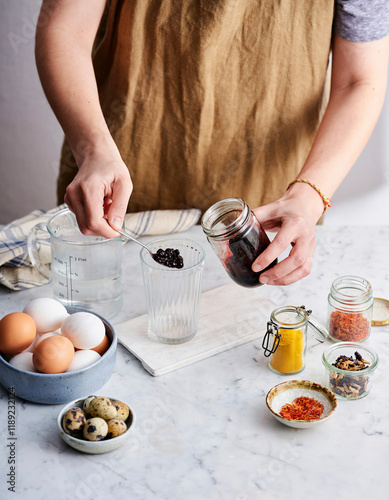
[173, 295]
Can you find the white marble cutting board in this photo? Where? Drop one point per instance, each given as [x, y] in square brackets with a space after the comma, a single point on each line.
[229, 316]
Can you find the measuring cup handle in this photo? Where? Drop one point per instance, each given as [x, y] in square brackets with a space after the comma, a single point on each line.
[33, 253]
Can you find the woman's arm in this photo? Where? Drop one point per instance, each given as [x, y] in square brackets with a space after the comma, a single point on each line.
[358, 85]
[64, 40]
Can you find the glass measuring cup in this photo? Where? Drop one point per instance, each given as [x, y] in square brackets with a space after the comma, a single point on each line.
[86, 271]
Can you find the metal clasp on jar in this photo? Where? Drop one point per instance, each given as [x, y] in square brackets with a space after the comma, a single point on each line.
[272, 330]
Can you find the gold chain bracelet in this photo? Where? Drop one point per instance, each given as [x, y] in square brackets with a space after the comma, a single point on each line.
[327, 201]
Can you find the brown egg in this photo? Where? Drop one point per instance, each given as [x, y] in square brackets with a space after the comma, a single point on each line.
[17, 332]
[103, 346]
[53, 355]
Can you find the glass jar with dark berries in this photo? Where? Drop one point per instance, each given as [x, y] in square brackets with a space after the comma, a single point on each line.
[237, 238]
[350, 307]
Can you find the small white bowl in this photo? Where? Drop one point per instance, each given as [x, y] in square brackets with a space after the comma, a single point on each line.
[292, 389]
[94, 447]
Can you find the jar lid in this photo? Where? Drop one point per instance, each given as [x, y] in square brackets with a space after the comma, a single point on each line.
[319, 331]
[380, 316]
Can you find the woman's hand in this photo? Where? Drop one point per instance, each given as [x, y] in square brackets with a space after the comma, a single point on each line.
[99, 194]
[293, 217]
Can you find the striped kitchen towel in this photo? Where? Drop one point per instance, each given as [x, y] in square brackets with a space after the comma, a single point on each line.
[16, 270]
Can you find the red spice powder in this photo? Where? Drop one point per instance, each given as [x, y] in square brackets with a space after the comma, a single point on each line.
[348, 326]
[302, 408]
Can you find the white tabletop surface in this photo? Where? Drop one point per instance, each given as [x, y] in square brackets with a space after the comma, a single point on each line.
[203, 431]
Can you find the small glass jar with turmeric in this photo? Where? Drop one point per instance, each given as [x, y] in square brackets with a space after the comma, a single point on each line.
[287, 337]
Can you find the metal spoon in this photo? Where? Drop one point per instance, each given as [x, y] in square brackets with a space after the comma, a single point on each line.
[126, 235]
[178, 263]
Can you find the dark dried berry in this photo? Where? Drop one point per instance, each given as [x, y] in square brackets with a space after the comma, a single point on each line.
[169, 258]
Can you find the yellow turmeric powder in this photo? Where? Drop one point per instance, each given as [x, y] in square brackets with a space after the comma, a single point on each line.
[288, 357]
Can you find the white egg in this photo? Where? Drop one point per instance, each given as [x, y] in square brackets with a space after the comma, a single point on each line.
[47, 313]
[45, 336]
[83, 359]
[32, 346]
[23, 361]
[84, 329]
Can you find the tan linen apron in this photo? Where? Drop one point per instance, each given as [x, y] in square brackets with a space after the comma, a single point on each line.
[208, 99]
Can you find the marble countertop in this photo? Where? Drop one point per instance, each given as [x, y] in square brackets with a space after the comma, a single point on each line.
[203, 431]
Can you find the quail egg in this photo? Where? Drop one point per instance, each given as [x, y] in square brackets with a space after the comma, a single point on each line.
[102, 407]
[86, 403]
[95, 429]
[116, 427]
[122, 410]
[73, 421]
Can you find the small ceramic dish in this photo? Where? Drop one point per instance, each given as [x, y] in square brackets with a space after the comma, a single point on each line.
[94, 447]
[292, 389]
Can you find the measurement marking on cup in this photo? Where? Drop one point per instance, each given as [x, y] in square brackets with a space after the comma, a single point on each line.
[65, 276]
[64, 273]
[67, 279]
[70, 278]
[71, 274]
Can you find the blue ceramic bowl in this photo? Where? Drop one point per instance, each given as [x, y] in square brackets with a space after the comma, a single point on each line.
[61, 388]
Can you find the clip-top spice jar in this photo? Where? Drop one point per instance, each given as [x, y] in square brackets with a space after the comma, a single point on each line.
[350, 307]
[237, 238]
[286, 338]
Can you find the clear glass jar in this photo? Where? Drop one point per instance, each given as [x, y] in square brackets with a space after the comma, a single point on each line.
[286, 338]
[237, 238]
[349, 385]
[350, 307]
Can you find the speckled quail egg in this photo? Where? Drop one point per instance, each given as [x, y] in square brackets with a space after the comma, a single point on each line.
[102, 407]
[86, 403]
[116, 427]
[74, 421]
[122, 410]
[95, 429]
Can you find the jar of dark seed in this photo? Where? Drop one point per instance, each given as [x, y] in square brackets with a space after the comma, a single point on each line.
[237, 238]
[349, 369]
[350, 307]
